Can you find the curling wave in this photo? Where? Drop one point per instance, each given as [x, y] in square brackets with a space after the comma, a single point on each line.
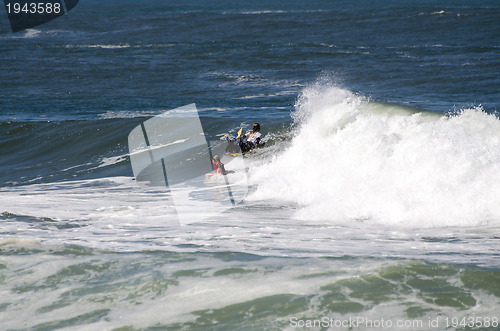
[352, 159]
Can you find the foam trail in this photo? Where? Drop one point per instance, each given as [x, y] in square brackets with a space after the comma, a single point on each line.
[352, 159]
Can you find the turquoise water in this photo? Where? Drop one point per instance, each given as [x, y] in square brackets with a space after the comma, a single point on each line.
[74, 287]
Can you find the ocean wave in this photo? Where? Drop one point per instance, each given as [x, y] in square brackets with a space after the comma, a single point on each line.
[28, 34]
[270, 11]
[114, 114]
[102, 46]
[53, 151]
[448, 13]
[353, 159]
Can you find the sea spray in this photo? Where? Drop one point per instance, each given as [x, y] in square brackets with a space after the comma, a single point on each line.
[353, 159]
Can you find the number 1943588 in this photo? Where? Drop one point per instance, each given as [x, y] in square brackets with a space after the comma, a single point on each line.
[34, 8]
[472, 322]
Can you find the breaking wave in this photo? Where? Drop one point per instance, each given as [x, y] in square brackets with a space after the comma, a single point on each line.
[353, 159]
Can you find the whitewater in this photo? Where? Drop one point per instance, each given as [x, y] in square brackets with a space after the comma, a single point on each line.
[355, 195]
[345, 163]
[375, 198]
[352, 159]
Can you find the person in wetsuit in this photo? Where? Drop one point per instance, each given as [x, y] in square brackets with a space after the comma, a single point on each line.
[252, 139]
[247, 142]
[218, 165]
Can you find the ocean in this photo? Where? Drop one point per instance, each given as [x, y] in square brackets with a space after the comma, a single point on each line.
[375, 203]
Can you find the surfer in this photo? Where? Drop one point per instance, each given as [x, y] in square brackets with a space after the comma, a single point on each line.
[219, 166]
[253, 140]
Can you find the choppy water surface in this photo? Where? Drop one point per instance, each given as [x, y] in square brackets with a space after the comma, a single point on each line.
[376, 197]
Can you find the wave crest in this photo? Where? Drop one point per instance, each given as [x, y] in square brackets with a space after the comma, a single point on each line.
[352, 159]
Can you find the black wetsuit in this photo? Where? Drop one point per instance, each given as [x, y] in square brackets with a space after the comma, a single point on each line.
[243, 146]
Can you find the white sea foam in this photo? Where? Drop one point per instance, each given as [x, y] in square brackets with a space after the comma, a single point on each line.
[129, 114]
[31, 33]
[109, 161]
[28, 34]
[355, 160]
[259, 12]
[351, 159]
[116, 214]
[18, 241]
[109, 46]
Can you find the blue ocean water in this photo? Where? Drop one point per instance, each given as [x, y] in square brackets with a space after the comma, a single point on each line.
[377, 195]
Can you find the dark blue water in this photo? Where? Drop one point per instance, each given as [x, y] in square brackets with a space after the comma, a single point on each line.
[73, 89]
[250, 59]
[431, 56]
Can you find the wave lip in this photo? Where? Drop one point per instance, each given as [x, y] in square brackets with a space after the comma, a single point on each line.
[352, 159]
